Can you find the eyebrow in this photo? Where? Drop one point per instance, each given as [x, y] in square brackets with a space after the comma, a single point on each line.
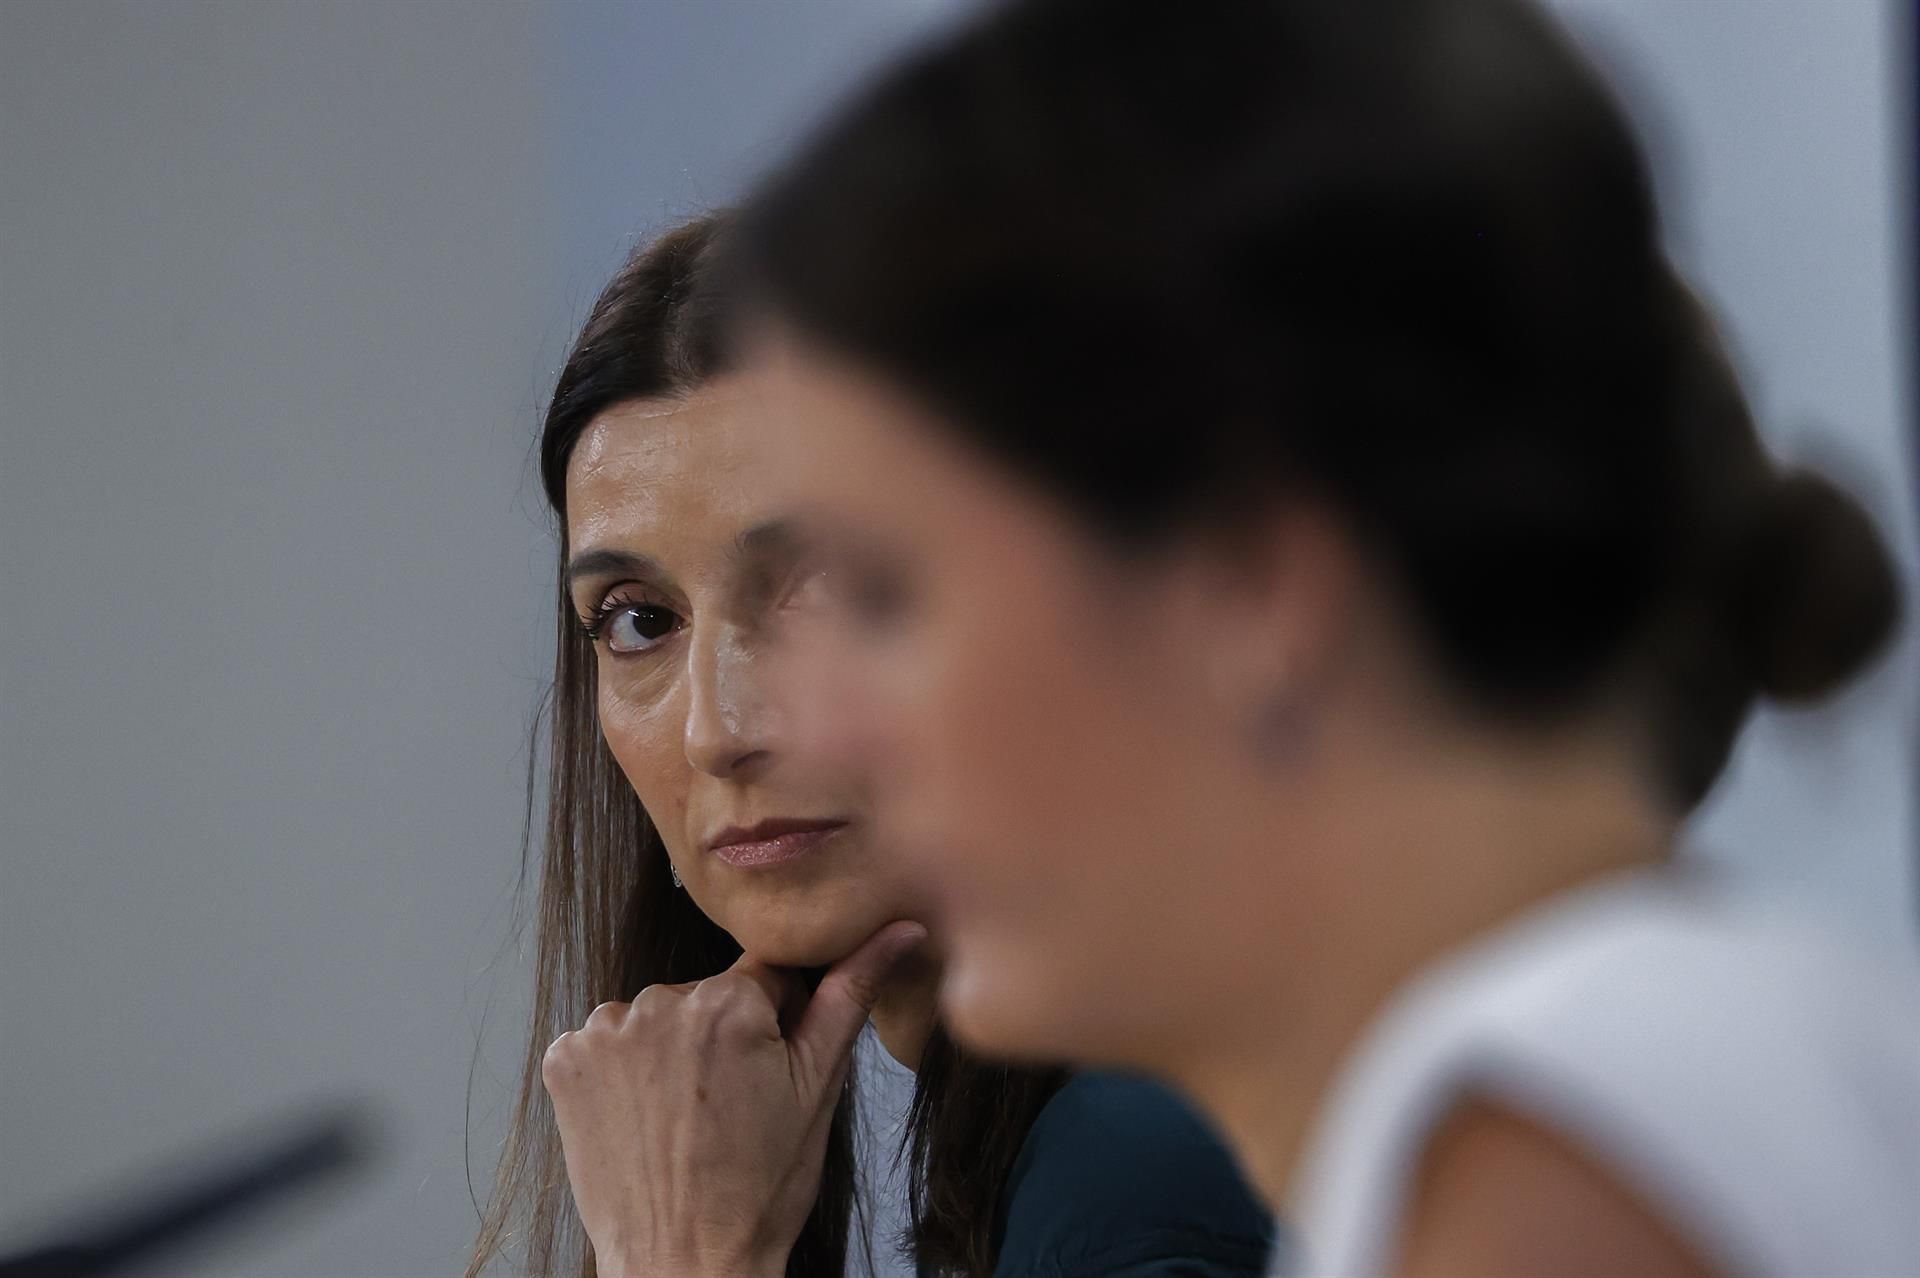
[608, 563]
[761, 553]
[770, 541]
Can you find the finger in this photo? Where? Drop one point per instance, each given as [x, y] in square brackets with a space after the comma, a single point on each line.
[820, 1130]
[746, 998]
[776, 983]
[559, 1067]
[782, 987]
[658, 995]
[846, 997]
[652, 1005]
[607, 1014]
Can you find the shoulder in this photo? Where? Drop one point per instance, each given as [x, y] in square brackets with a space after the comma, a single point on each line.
[1119, 1176]
[1498, 1196]
[1662, 989]
[1740, 1072]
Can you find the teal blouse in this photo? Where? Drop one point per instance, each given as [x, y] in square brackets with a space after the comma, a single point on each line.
[1119, 1178]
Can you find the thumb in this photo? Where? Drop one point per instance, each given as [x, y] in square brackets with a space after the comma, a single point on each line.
[846, 996]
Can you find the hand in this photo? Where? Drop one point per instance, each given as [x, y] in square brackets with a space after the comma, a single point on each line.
[695, 1127]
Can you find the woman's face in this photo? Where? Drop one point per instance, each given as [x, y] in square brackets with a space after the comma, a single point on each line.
[1054, 730]
[680, 566]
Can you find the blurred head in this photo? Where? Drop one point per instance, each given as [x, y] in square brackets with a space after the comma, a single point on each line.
[1231, 422]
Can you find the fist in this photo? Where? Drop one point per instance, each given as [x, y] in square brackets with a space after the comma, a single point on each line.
[695, 1126]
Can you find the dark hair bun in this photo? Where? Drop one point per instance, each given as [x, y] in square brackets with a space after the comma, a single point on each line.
[1818, 595]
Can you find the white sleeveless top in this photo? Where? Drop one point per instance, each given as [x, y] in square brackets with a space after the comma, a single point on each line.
[1756, 1084]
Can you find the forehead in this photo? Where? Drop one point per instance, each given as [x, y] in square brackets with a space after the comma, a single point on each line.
[687, 468]
[852, 442]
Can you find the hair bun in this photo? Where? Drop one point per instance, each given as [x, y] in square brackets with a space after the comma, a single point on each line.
[1817, 595]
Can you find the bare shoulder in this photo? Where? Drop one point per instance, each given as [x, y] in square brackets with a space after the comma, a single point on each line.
[1499, 1196]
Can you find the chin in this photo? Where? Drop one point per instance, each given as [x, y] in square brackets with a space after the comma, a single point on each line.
[991, 1004]
[786, 936]
[796, 953]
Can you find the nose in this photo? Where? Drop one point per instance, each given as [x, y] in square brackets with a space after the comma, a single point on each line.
[728, 731]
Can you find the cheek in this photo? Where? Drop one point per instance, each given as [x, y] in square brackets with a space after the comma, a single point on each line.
[1022, 746]
[1056, 783]
[1052, 764]
[644, 735]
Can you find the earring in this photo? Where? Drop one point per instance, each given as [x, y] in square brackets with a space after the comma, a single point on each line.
[674, 870]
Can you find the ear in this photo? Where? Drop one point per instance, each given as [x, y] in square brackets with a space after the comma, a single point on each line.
[1275, 592]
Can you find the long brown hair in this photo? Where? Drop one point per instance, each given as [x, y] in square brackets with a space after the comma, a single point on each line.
[609, 921]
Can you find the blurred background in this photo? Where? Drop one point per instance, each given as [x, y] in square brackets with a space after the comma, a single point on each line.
[282, 287]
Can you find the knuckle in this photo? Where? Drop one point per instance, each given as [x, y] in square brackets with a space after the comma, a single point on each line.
[731, 1009]
[734, 1001]
[654, 997]
[556, 1063]
[607, 1016]
[719, 993]
[658, 1016]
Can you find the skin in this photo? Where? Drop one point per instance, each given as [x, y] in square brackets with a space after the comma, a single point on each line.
[673, 491]
[1498, 1195]
[1174, 854]
[694, 1119]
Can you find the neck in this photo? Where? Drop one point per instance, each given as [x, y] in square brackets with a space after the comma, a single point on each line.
[903, 1017]
[1470, 845]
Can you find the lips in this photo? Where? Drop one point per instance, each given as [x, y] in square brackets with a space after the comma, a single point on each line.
[771, 842]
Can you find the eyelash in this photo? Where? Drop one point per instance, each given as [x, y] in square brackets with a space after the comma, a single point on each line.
[612, 606]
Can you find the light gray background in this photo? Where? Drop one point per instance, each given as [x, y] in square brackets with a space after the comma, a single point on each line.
[281, 288]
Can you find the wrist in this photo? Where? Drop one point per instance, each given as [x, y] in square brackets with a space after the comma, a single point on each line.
[767, 1266]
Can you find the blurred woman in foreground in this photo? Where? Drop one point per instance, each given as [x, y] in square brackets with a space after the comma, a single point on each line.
[1300, 554]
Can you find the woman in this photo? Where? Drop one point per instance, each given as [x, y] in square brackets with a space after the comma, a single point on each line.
[680, 829]
[1298, 555]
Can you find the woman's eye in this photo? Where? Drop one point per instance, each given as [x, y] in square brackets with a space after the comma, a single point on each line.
[631, 628]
